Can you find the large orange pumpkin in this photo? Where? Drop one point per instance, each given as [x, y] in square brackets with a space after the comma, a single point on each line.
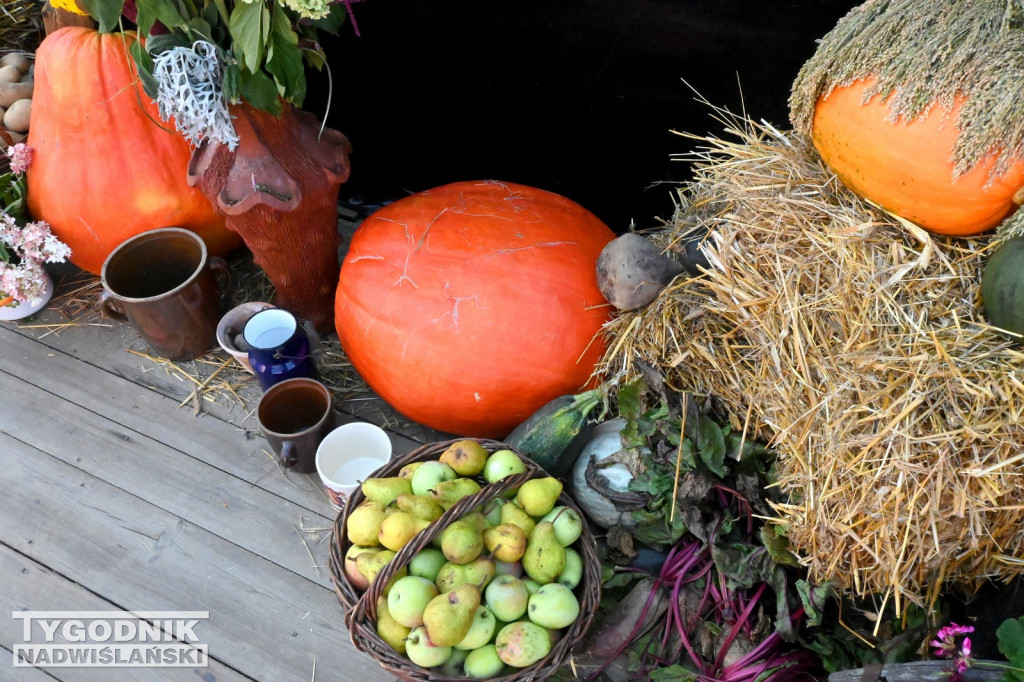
[907, 166]
[104, 168]
[469, 306]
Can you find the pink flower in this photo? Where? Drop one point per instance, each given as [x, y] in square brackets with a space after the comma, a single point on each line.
[945, 644]
[20, 156]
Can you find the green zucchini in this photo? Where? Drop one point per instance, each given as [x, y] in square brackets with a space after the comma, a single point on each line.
[546, 434]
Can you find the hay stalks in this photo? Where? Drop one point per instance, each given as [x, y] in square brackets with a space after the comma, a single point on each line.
[855, 346]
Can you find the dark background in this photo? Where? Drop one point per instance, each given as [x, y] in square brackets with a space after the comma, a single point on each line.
[578, 97]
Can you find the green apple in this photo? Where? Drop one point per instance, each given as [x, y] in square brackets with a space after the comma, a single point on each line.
[522, 643]
[553, 606]
[531, 585]
[568, 524]
[502, 463]
[429, 474]
[422, 651]
[480, 632]
[427, 562]
[408, 598]
[507, 597]
[483, 663]
[492, 511]
[453, 666]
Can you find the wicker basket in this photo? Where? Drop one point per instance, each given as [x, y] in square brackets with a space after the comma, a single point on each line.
[361, 609]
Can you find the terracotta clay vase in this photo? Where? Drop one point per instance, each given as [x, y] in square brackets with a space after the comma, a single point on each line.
[279, 190]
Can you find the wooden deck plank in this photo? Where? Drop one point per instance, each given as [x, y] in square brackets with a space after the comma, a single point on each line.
[265, 621]
[170, 479]
[30, 586]
[239, 450]
[106, 342]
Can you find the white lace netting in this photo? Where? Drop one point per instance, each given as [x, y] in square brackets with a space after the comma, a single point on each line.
[189, 81]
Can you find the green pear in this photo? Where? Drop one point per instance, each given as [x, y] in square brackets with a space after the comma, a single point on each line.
[479, 571]
[467, 457]
[462, 541]
[421, 506]
[391, 631]
[450, 576]
[398, 529]
[449, 616]
[447, 493]
[521, 644]
[567, 522]
[544, 558]
[429, 474]
[483, 663]
[506, 542]
[424, 652]
[513, 513]
[538, 496]
[427, 563]
[481, 631]
[573, 571]
[363, 523]
[384, 491]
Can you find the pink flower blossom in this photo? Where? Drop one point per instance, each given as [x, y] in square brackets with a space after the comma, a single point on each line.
[20, 156]
[946, 646]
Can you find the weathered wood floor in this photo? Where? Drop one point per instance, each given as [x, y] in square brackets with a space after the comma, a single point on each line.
[119, 496]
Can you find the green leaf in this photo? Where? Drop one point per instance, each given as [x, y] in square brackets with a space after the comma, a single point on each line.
[107, 13]
[777, 545]
[284, 59]
[232, 86]
[1011, 644]
[259, 90]
[144, 66]
[673, 673]
[814, 598]
[711, 446]
[163, 42]
[249, 27]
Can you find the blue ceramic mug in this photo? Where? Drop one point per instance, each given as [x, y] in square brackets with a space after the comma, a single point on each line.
[278, 347]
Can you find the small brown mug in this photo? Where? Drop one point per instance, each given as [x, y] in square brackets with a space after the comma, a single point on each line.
[295, 415]
[164, 283]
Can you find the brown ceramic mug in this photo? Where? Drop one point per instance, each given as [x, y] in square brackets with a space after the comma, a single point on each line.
[295, 415]
[164, 283]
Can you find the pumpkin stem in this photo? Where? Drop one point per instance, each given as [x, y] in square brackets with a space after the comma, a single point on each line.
[1018, 196]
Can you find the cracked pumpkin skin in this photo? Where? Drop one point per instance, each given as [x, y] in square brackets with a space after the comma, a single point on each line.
[906, 166]
[469, 306]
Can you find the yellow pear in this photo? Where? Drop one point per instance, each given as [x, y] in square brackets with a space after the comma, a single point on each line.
[390, 630]
[399, 528]
[513, 513]
[370, 564]
[449, 616]
[539, 495]
[506, 542]
[467, 457]
[363, 523]
[409, 469]
[384, 491]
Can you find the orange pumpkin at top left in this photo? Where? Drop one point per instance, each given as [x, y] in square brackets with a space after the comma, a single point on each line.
[104, 168]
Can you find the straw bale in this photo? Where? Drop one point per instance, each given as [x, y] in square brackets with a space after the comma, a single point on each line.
[855, 344]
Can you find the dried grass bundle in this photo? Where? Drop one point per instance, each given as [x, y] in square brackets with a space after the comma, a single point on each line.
[855, 345]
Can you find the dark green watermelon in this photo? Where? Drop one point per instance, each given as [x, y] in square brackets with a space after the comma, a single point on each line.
[1002, 287]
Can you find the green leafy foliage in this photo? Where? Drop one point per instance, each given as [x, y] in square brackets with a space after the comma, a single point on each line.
[1010, 636]
[263, 45]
